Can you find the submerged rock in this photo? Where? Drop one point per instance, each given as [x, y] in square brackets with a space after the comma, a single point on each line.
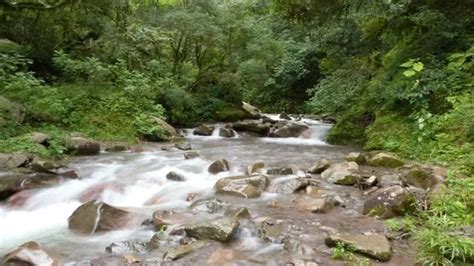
[173, 176]
[184, 146]
[384, 159]
[357, 157]
[389, 202]
[99, 217]
[222, 229]
[374, 246]
[288, 185]
[191, 155]
[242, 186]
[320, 166]
[342, 174]
[30, 253]
[218, 166]
[204, 130]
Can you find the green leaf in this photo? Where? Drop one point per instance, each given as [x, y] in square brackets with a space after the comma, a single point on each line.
[409, 73]
[418, 66]
[407, 64]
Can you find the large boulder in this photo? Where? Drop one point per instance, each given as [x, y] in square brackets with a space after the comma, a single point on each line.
[344, 173]
[320, 166]
[218, 166]
[253, 111]
[14, 183]
[99, 217]
[242, 186]
[203, 130]
[287, 129]
[222, 229]
[30, 253]
[374, 246]
[82, 146]
[10, 161]
[389, 202]
[357, 157]
[260, 129]
[288, 184]
[384, 159]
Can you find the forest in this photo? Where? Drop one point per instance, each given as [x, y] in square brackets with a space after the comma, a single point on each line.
[392, 75]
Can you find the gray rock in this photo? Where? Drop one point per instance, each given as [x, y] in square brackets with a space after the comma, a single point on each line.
[82, 146]
[222, 229]
[255, 168]
[288, 185]
[240, 213]
[204, 130]
[280, 171]
[390, 180]
[210, 205]
[11, 161]
[191, 155]
[127, 247]
[342, 174]
[13, 183]
[271, 231]
[261, 129]
[384, 159]
[252, 110]
[184, 146]
[173, 176]
[317, 205]
[184, 250]
[286, 129]
[38, 138]
[226, 132]
[160, 219]
[320, 166]
[389, 202]
[357, 157]
[218, 166]
[374, 246]
[242, 186]
[30, 253]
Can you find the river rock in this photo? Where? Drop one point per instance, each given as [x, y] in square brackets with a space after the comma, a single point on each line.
[384, 159]
[252, 110]
[218, 166]
[374, 246]
[242, 186]
[184, 250]
[286, 129]
[161, 218]
[173, 176]
[255, 168]
[122, 247]
[226, 132]
[82, 146]
[280, 171]
[14, 183]
[240, 213]
[30, 253]
[288, 185]
[271, 231]
[367, 182]
[99, 217]
[391, 180]
[204, 130]
[320, 166]
[184, 146]
[10, 161]
[261, 129]
[162, 241]
[344, 173]
[191, 155]
[389, 202]
[357, 157]
[222, 229]
[210, 205]
[317, 205]
[284, 116]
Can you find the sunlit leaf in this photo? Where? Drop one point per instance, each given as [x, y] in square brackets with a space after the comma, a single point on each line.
[409, 73]
[418, 66]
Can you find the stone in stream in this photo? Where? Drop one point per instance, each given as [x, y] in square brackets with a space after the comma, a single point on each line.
[226, 132]
[184, 146]
[368, 182]
[255, 168]
[210, 205]
[117, 148]
[30, 253]
[242, 186]
[99, 217]
[14, 183]
[344, 173]
[288, 185]
[122, 247]
[384, 159]
[374, 246]
[191, 155]
[203, 130]
[218, 166]
[284, 116]
[240, 213]
[252, 110]
[280, 171]
[357, 157]
[184, 250]
[10, 161]
[271, 231]
[173, 176]
[320, 166]
[286, 129]
[221, 230]
[160, 219]
[261, 129]
[82, 146]
[317, 205]
[389, 202]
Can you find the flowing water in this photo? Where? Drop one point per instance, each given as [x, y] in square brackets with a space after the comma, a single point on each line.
[138, 181]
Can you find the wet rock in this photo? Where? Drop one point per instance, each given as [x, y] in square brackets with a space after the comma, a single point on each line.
[320, 166]
[218, 166]
[99, 217]
[270, 230]
[117, 148]
[14, 183]
[389, 202]
[173, 176]
[390, 180]
[30, 253]
[317, 205]
[222, 229]
[374, 246]
[204, 130]
[38, 138]
[342, 174]
[255, 168]
[184, 250]
[184, 146]
[367, 182]
[280, 171]
[288, 185]
[285, 129]
[250, 109]
[160, 219]
[240, 213]
[82, 146]
[242, 186]
[210, 205]
[284, 116]
[266, 119]
[384, 159]
[226, 132]
[254, 127]
[127, 247]
[357, 157]
[191, 155]
[10, 161]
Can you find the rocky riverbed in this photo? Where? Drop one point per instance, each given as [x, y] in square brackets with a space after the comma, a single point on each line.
[265, 191]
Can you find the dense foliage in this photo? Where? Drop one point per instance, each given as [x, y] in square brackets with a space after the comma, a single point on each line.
[397, 75]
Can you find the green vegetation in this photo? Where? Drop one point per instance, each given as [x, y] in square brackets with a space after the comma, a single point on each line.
[396, 75]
